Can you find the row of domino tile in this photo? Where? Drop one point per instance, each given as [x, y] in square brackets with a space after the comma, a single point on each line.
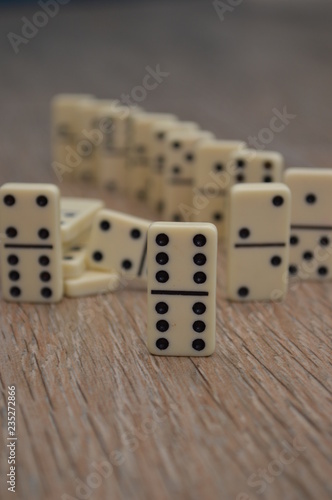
[273, 230]
[52, 246]
[182, 172]
[185, 174]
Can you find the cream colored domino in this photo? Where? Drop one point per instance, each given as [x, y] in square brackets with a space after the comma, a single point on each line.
[88, 139]
[31, 243]
[92, 283]
[311, 223]
[118, 243]
[182, 262]
[112, 152]
[212, 178]
[80, 241]
[158, 146]
[178, 173]
[258, 244]
[138, 154]
[64, 124]
[77, 215]
[74, 262]
[251, 165]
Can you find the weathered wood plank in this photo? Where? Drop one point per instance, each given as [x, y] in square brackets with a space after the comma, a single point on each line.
[88, 393]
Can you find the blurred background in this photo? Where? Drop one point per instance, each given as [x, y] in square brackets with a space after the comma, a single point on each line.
[226, 64]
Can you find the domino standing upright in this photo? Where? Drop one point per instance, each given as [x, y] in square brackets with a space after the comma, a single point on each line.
[251, 165]
[118, 243]
[212, 180]
[258, 243]
[31, 251]
[158, 152]
[311, 223]
[89, 137]
[64, 132]
[138, 153]
[112, 152]
[179, 173]
[182, 262]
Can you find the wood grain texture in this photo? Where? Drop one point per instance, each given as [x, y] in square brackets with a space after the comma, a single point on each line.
[88, 392]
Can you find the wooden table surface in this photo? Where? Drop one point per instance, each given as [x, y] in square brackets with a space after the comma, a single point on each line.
[97, 416]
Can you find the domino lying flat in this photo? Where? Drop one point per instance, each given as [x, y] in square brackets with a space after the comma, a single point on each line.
[118, 243]
[76, 216]
[311, 223]
[182, 260]
[31, 243]
[258, 243]
[74, 262]
[92, 283]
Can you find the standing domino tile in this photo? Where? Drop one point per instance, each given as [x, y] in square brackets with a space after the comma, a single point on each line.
[77, 215]
[179, 173]
[64, 132]
[31, 243]
[158, 146]
[212, 179]
[112, 152]
[258, 244]
[182, 261]
[138, 154]
[92, 283]
[118, 243]
[88, 139]
[251, 165]
[311, 223]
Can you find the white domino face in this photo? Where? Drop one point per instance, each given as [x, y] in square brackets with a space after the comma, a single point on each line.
[77, 215]
[182, 263]
[258, 244]
[31, 250]
[311, 223]
[251, 165]
[158, 152]
[139, 151]
[74, 262]
[118, 243]
[88, 139]
[179, 173]
[64, 130]
[212, 179]
[112, 151]
[112, 172]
